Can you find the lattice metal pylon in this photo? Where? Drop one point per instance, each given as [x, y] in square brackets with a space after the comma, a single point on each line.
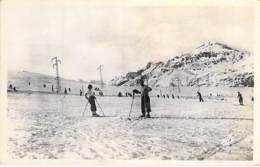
[55, 65]
[100, 68]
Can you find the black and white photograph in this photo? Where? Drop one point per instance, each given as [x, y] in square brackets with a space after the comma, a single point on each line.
[98, 81]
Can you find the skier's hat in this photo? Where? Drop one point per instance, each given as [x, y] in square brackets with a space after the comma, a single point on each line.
[90, 86]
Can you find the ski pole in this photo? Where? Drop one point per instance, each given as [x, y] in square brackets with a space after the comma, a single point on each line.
[85, 108]
[100, 108]
[131, 107]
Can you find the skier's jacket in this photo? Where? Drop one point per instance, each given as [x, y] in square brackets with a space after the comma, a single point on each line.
[89, 94]
[144, 90]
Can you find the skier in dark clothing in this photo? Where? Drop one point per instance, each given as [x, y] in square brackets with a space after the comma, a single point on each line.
[200, 97]
[145, 99]
[80, 92]
[172, 96]
[119, 94]
[240, 98]
[65, 91]
[90, 96]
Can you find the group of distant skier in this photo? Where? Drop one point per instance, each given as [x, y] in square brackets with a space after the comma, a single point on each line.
[13, 88]
[145, 99]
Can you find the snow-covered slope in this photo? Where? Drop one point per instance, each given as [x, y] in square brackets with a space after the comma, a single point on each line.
[42, 82]
[210, 64]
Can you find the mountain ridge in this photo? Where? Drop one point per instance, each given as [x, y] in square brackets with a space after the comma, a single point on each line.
[209, 64]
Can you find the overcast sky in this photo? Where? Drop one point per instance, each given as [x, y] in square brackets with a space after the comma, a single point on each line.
[121, 38]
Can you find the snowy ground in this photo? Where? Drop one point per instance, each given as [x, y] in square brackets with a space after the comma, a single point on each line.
[46, 126]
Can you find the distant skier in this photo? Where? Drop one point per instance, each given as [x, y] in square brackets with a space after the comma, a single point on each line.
[119, 94]
[172, 96]
[52, 88]
[163, 96]
[145, 99]
[69, 90]
[90, 96]
[200, 97]
[158, 96]
[10, 86]
[65, 91]
[240, 98]
[80, 92]
[101, 93]
[167, 96]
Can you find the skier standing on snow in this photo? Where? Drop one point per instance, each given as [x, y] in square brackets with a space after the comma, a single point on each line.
[145, 99]
[80, 92]
[90, 96]
[200, 97]
[240, 98]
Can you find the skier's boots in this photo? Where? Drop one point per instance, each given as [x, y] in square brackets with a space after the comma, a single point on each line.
[142, 116]
[148, 116]
[95, 115]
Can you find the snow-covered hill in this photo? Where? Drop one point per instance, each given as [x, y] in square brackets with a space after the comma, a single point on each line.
[31, 81]
[210, 64]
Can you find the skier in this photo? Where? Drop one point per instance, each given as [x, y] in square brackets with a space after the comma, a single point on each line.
[172, 96]
[145, 99]
[167, 96]
[101, 93]
[90, 96]
[240, 98]
[65, 91]
[52, 88]
[80, 92]
[200, 97]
